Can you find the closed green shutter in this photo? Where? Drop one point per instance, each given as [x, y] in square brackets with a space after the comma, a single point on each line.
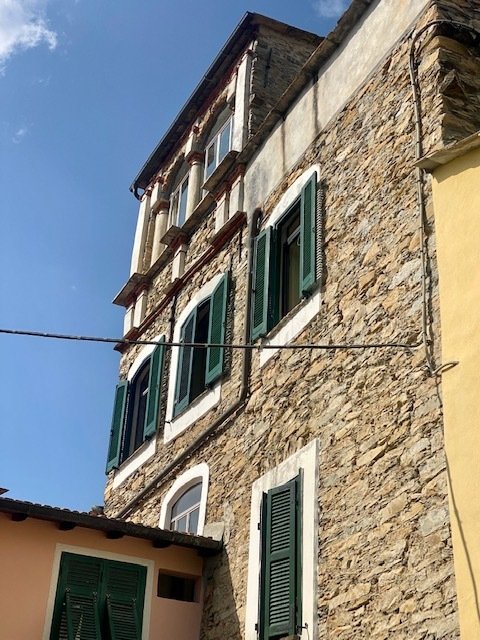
[261, 284]
[216, 331]
[280, 606]
[185, 360]
[124, 585]
[118, 420]
[307, 235]
[154, 390]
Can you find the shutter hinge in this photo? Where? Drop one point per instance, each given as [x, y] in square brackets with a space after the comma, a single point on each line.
[258, 525]
[256, 626]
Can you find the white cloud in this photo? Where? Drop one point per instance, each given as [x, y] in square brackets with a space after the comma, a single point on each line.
[330, 8]
[23, 26]
[19, 135]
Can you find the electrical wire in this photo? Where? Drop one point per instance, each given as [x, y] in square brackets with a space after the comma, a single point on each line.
[258, 347]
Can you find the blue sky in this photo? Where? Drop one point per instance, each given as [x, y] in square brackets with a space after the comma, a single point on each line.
[87, 88]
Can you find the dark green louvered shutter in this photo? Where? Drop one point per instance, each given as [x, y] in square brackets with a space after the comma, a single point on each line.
[185, 360]
[76, 602]
[261, 284]
[307, 235]
[280, 606]
[124, 586]
[216, 331]
[118, 420]
[154, 390]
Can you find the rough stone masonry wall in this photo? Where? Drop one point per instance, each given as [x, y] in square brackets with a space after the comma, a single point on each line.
[385, 565]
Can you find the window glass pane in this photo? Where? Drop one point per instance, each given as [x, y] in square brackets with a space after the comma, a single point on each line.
[181, 524]
[224, 142]
[174, 208]
[187, 500]
[210, 159]
[182, 205]
[193, 521]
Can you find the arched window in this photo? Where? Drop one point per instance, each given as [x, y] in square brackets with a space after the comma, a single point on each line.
[186, 510]
[179, 196]
[219, 141]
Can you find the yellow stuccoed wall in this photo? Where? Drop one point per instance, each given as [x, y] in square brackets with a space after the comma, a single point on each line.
[456, 194]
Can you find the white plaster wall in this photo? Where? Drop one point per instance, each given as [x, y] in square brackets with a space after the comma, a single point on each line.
[373, 38]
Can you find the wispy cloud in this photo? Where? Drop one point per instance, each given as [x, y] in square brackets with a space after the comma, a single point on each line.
[19, 134]
[23, 26]
[330, 8]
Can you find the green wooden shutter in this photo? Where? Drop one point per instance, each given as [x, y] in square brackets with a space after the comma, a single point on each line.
[307, 235]
[154, 390]
[216, 331]
[118, 420]
[280, 592]
[185, 361]
[82, 617]
[124, 586]
[261, 284]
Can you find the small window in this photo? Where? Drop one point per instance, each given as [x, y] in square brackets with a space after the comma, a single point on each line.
[136, 409]
[178, 203]
[217, 148]
[199, 367]
[285, 263]
[175, 587]
[185, 511]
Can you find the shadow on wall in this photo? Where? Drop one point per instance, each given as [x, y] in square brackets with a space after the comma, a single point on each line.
[219, 620]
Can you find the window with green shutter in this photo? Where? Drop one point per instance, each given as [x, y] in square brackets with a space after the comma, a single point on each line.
[285, 262]
[136, 408]
[200, 367]
[280, 589]
[98, 599]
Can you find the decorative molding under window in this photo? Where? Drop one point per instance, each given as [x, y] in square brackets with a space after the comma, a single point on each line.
[304, 460]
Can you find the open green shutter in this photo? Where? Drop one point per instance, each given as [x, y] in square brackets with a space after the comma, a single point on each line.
[154, 390]
[185, 360]
[124, 585]
[280, 570]
[307, 235]
[83, 622]
[216, 331]
[118, 420]
[261, 284]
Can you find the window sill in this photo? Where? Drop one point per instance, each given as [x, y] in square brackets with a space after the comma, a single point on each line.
[220, 171]
[198, 408]
[291, 325]
[134, 462]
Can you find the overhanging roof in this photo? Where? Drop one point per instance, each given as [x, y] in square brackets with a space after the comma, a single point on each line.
[66, 519]
[234, 46]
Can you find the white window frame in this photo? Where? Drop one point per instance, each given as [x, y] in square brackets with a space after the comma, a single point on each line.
[207, 400]
[177, 192]
[288, 329]
[216, 142]
[304, 460]
[104, 555]
[197, 474]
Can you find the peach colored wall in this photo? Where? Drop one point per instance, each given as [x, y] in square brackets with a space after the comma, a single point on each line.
[27, 557]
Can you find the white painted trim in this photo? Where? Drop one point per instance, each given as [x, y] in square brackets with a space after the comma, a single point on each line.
[147, 450]
[208, 400]
[305, 460]
[199, 472]
[308, 309]
[107, 555]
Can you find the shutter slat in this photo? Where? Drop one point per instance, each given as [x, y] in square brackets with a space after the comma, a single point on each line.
[82, 617]
[154, 390]
[118, 420]
[185, 361]
[320, 234]
[123, 619]
[261, 284]
[216, 331]
[307, 235]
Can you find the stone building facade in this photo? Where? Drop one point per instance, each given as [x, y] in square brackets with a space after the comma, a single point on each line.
[283, 208]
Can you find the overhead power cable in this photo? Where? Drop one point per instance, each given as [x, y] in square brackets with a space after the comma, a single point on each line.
[259, 346]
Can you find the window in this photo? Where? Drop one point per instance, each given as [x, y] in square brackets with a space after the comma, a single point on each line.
[200, 367]
[285, 262]
[178, 203]
[176, 587]
[217, 148]
[280, 607]
[136, 408]
[98, 599]
[185, 511]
